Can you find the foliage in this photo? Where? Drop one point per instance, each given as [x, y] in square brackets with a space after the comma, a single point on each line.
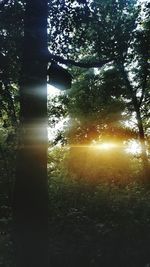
[95, 198]
[95, 107]
[97, 220]
[11, 34]
[115, 30]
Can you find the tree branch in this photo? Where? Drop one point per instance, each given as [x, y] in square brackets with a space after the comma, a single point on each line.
[94, 64]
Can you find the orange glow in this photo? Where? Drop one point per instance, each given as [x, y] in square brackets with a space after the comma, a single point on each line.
[99, 161]
[98, 146]
[133, 147]
[105, 146]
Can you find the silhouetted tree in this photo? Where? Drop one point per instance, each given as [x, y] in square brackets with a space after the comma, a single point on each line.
[30, 202]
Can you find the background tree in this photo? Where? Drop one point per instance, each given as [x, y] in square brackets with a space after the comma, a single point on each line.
[11, 34]
[114, 32]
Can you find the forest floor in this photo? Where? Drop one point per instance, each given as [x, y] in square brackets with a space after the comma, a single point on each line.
[100, 226]
[93, 227]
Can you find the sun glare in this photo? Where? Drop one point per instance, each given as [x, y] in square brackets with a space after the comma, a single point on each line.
[52, 91]
[133, 148]
[105, 146]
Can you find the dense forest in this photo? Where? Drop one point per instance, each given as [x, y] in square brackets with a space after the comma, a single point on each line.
[74, 133]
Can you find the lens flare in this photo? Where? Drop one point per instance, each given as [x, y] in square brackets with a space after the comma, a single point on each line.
[105, 146]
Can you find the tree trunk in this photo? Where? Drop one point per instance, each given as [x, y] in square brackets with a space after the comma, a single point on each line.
[30, 201]
[139, 120]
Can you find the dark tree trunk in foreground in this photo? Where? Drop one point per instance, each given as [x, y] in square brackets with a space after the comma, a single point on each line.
[30, 203]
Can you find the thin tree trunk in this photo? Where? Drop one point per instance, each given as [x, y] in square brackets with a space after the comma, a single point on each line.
[142, 141]
[139, 119]
[30, 202]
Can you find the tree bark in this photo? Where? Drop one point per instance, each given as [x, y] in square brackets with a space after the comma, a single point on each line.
[30, 201]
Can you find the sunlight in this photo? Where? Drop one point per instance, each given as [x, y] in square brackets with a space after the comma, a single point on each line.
[133, 147]
[52, 131]
[52, 91]
[105, 146]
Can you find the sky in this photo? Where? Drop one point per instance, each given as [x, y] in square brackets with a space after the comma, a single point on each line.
[53, 91]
